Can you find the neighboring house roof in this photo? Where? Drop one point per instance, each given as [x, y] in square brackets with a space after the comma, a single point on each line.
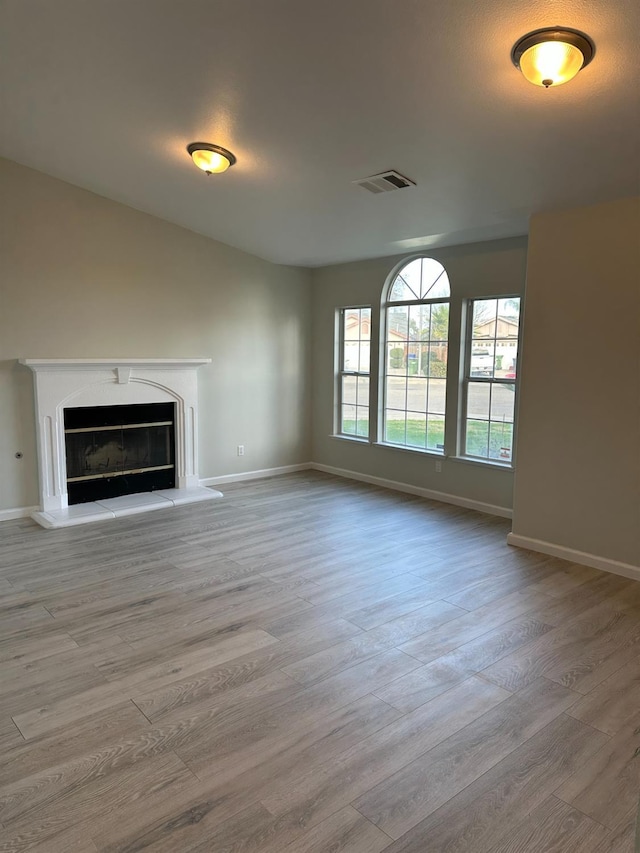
[398, 337]
[489, 325]
[351, 325]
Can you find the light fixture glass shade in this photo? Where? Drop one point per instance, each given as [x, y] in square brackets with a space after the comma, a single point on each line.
[551, 63]
[212, 159]
[552, 56]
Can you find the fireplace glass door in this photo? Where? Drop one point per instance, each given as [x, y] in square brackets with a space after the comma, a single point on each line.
[119, 450]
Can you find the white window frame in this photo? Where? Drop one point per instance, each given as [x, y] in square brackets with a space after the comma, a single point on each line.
[492, 381]
[386, 305]
[358, 374]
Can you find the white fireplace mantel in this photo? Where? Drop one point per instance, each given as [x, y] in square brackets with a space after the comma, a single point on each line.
[38, 365]
[70, 383]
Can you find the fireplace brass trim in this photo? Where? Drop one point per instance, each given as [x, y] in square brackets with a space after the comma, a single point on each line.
[108, 475]
[117, 426]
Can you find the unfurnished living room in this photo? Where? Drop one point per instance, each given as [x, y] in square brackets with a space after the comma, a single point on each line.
[319, 426]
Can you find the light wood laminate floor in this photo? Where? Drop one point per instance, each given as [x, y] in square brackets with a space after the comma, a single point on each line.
[313, 665]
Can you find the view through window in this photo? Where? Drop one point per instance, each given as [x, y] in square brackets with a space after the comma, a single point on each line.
[492, 358]
[417, 335]
[355, 356]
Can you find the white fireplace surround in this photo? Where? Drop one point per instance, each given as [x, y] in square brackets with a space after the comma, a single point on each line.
[70, 383]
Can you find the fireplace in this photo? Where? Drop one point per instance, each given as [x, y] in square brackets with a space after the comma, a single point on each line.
[115, 437]
[119, 450]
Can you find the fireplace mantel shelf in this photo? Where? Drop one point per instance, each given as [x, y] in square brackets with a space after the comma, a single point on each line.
[42, 364]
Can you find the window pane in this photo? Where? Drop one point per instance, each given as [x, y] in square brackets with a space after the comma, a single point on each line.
[506, 355]
[396, 392]
[419, 317]
[394, 427]
[478, 394]
[413, 357]
[395, 359]
[397, 336]
[437, 396]
[435, 361]
[349, 390]
[482, 358]
[416, 429]
[365, 348]
[351, 355]
[484, 318]
[417, 394]
[348, 420]
[400, 292]
[363, 390]
[365, 324]
[352, 324]
[477, 438]
[435, 433]
[439, 325]
[509, 309]
[435, 281]
[509, 361]
[502, 402]
[398, 322]
[501, 441]
[362, 427]
[411, 274]
[407, 283]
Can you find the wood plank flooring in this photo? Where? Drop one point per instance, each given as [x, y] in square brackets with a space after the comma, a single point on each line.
[313, 665]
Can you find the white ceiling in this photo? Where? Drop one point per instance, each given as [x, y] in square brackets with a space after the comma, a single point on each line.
[106, 94]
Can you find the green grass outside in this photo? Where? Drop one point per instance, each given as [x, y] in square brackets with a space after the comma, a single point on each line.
[477, 434]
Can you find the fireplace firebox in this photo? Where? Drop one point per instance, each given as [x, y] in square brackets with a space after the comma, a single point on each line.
[119, 450]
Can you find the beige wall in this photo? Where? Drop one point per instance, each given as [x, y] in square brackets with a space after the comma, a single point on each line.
[578, 450]
[82, 276]
[493, 268]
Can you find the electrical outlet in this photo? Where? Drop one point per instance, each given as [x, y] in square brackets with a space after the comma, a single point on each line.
[241, 450]
[438, 467]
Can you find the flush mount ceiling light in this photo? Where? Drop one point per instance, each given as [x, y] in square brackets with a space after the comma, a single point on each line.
[210, 158]
[552, 56]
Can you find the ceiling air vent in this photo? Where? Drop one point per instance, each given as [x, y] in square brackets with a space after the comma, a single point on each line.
[385, 182]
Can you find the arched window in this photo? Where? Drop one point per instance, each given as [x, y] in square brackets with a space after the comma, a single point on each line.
[416, 307]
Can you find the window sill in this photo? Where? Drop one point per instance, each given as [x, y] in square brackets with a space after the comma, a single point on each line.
[352, 438]
[436, 454]
[484, 463]
[433, 454]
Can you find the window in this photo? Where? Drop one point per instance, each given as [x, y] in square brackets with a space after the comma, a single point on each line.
[355, 348]
[426, 328]
[490, 378]
[416, 348]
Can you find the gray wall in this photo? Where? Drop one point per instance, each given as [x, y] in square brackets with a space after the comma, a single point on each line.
[490, 269]
[578, 473]
[82, 276]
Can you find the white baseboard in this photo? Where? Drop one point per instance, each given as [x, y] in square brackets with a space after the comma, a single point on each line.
[574, 556]
[255, 475]
[431, 494]
[17, 512]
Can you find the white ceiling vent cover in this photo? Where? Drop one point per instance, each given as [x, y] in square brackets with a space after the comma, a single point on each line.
[385, 182]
